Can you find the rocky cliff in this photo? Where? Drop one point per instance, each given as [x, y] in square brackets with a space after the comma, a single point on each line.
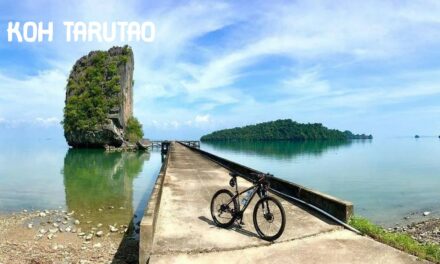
[99, 98]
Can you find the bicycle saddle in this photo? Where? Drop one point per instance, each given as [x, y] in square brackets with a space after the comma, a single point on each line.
[233, 174]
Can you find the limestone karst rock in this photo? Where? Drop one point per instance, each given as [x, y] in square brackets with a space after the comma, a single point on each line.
[99, 98]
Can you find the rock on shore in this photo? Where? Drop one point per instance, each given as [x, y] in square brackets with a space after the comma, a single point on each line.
[427, 231]
[42, 243]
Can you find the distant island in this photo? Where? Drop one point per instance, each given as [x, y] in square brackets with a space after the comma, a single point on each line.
[283, 129]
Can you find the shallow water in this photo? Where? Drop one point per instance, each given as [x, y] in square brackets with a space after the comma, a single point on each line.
[46, 174]
[386, 179]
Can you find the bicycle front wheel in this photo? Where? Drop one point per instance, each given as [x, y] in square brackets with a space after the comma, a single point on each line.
[269, 218]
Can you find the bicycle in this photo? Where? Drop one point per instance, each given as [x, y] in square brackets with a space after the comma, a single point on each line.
[268, 216]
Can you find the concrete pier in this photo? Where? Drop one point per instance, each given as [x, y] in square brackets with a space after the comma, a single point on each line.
[177, 227]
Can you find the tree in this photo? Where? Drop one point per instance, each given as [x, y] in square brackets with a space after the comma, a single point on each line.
[283, 129]
[133, 130]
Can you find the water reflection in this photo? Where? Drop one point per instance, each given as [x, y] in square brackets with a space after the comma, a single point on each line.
[281, 149]
[99, 185]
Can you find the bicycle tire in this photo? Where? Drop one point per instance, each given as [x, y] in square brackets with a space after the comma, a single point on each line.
[214, 209]
[265, 201]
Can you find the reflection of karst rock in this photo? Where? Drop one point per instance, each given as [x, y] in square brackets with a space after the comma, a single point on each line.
[96, 180]
[99, 98]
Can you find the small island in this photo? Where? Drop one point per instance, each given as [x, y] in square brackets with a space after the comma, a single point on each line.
[99, 102]
[283, 129]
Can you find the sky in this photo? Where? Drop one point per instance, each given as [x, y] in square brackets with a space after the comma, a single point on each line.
[367, 66]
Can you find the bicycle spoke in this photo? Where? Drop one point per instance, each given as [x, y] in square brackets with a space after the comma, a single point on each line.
[222, 207]
[269, 218]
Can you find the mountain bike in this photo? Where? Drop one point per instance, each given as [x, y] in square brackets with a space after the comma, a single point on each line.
[268, 216]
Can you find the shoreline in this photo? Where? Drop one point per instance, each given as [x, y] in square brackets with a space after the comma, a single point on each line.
[419, 237]
[426, 231]
[422, 228]
[56, 236]
[401, 239]
[406, 219]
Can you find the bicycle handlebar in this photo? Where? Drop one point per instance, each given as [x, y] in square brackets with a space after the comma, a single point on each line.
[261, 176]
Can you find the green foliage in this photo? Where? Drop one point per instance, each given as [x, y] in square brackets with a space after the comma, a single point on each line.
[133, 130]
[400, 241]
[350, 135]
[280, 130]
[93, 88]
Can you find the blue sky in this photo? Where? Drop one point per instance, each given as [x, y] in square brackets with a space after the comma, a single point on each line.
[370, 66]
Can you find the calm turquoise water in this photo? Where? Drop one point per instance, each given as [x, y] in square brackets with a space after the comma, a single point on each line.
[46, 174]
[386, 179]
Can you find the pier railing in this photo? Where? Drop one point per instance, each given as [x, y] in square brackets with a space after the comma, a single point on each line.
[160, 143]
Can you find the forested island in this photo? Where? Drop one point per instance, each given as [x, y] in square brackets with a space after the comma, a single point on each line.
[99, 101]
[283, 129]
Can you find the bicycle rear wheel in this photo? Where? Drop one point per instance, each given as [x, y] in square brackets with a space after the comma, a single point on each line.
[269, 218]
[223, 208]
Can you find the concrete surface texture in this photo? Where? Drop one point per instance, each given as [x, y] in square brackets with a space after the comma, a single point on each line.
[185, 232]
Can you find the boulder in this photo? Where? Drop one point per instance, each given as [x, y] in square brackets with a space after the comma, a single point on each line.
[99, 98]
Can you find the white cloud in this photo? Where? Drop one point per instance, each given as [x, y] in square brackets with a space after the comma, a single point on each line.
[27, 98]
[316, 30]
[306, 83]
[165, 124]
[315, 37]
[47, 121]
[198, 119]
[202, 118]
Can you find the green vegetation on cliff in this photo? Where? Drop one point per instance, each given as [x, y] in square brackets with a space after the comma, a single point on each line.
[133, 130]
[285, 129]
[93, 90]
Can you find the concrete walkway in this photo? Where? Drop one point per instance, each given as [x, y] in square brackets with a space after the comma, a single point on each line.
[185, 232]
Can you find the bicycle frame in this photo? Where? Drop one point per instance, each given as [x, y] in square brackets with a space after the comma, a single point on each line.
[255, 188]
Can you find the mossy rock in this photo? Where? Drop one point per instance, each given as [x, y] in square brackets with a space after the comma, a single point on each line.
[99, 98]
